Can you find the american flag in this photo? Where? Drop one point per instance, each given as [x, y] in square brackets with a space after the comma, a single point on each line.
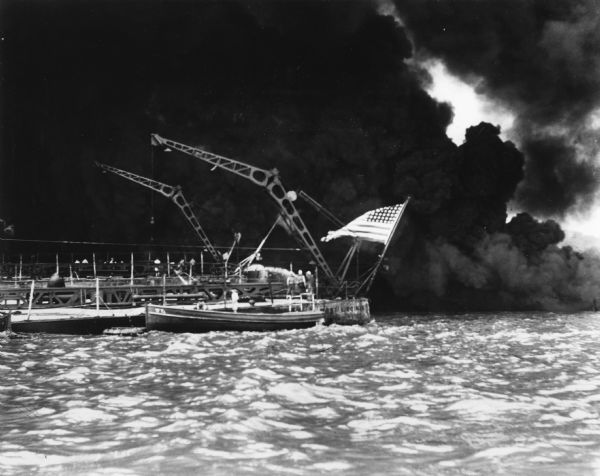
[376, 225]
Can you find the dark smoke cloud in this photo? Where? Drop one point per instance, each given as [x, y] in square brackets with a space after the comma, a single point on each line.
[319, 90]
[540, 58]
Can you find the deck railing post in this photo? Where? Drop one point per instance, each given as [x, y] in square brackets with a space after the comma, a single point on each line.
[98, 296]
[131, 278]
[30, 299]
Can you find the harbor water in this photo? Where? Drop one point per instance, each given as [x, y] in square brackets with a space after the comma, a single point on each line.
[407, 394]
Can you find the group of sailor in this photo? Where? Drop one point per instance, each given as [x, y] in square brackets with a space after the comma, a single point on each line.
[300, 284]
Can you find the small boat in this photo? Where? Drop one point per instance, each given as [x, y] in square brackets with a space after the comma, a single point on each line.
[250, 318]
[76, 321]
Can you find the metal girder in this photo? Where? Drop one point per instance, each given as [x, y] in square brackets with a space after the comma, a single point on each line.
[174, 194]
[265, 178]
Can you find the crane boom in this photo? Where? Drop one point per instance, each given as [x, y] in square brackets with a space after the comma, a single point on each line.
[265, 178]
[174, 194]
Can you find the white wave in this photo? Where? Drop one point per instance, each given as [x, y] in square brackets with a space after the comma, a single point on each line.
[302, 370]
[332, 466]
[83, 414]
[433, 448]
[123, 401]
[383, 424]
[483, 406]
[498, 452]
[227, 399]
[326, 413]
[400, 449]
[180, 348]
[112, 471]
[393, 374]
[140, 423]
[298, 393]
[146, 355]
[559, 419]
[263, 373]
[175, 427]
[300, 434]
[250, 453]
[288, 356]
[395, 388]
[264, 406]
[580, 386]
[77, 374]
[579, 414]
[315, 447]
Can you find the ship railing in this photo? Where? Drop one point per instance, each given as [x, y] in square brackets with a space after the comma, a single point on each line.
[301, 301]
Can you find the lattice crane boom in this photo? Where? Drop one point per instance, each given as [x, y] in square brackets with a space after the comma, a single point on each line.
[265, 178]
[162, 188]
[174, 194]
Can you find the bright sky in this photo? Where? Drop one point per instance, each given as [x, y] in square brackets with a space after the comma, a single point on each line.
[470, 108]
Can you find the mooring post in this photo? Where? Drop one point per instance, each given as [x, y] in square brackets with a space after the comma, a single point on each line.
[30, 299]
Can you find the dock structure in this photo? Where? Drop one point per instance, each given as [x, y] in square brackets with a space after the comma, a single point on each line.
[126, 295]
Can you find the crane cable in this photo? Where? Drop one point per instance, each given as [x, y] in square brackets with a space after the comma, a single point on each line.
[248, 261]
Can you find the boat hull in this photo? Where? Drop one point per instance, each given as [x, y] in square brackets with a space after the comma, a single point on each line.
[77, 322]
[76, 326]
[174, 319]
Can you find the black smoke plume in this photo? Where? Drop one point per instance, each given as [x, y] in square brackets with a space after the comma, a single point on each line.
[539, 58]
[320, 90]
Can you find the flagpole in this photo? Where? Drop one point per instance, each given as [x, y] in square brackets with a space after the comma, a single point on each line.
[371, 277]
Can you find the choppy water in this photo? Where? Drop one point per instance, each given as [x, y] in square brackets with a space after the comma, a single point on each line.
[474, 394]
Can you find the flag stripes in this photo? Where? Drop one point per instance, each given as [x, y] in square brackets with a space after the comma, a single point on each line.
[375, 225]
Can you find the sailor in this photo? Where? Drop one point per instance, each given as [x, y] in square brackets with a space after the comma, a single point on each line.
[300, 283]
[310, 282]
[234, 300]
